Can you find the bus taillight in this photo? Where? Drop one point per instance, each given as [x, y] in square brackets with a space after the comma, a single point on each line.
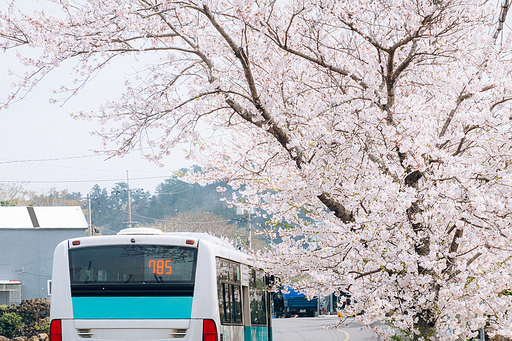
[56, 330]
[209, 330]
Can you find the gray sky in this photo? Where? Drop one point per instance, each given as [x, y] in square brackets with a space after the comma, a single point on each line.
[43, 147]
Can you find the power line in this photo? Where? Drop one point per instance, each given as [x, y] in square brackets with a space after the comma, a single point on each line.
[182, 221]
[84, 181]
[52, 159]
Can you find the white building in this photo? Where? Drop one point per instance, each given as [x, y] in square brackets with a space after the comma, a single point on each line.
[28, 236]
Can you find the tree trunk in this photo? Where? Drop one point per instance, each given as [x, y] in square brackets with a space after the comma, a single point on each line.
[425, 326]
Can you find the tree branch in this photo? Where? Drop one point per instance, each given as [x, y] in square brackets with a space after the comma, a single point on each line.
[360, 275]
[503, 17]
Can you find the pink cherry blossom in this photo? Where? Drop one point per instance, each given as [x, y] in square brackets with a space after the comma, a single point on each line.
[376, 134]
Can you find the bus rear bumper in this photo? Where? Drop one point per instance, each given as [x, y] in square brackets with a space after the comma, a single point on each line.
[132, 330]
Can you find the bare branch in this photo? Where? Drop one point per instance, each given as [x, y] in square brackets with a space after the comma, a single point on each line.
[461, 98]
[503, 17]
[364, 274]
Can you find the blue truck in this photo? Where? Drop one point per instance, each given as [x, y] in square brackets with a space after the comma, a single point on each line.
[298, 304]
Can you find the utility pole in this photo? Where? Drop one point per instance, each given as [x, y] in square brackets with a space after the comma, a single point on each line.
[236, 234]
[250, 228]
[247, 213]
[89, 216]
[129, 202]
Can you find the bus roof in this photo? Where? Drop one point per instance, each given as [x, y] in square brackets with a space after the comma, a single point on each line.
[202, 236]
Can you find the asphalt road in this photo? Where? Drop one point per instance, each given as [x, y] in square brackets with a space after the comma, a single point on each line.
[319, 329]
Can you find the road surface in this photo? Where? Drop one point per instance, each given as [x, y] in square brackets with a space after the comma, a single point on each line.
[314, 329]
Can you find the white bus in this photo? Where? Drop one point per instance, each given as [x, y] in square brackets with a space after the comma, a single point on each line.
[145, 285]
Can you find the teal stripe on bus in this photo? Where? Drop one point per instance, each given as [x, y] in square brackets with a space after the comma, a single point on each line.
[132, 307]
[256, 334]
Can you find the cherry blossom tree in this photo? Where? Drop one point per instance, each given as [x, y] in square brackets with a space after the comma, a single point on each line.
[376, 133]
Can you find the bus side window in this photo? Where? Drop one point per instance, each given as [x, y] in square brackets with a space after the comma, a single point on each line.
[229, 291]
[257, 297]
[226, 302]
[237, 303]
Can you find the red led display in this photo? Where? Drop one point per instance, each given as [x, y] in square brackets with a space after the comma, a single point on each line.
[160, 267]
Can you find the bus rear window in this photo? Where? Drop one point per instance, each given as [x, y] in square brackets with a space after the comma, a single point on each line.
[132, 270]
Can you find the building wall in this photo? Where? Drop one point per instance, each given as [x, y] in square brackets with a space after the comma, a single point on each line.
[26, 255]
[10, 292]
[4, 298]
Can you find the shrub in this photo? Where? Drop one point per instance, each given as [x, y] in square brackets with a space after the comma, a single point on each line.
[43, 327]
[9, 322]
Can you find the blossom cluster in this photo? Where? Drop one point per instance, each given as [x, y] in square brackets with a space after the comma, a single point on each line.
[376, 135]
